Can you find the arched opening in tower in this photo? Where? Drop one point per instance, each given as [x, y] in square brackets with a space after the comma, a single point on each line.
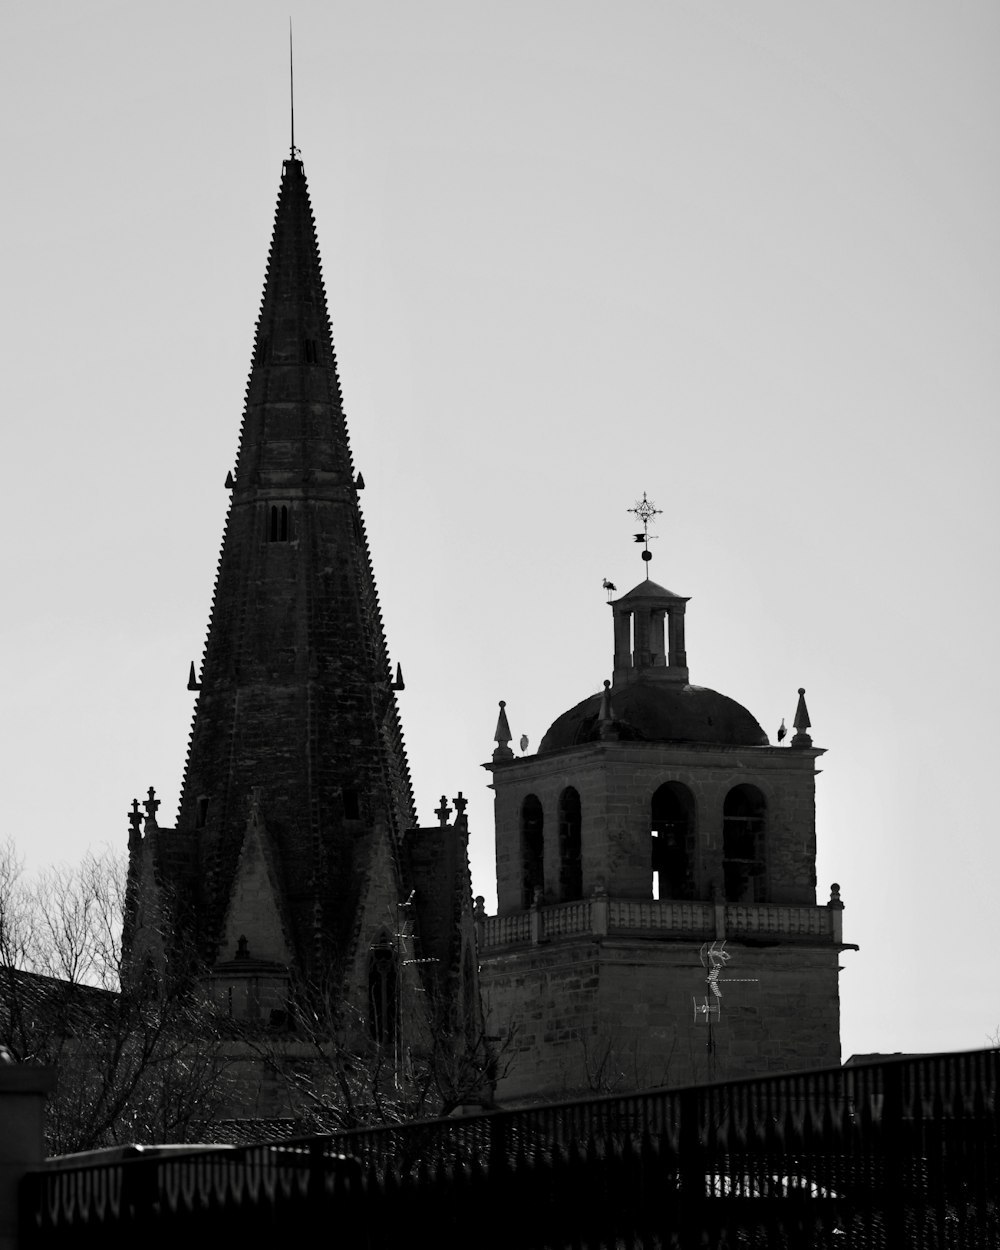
[672, 836]
[532, 850]
[570, 851]
[744, 820]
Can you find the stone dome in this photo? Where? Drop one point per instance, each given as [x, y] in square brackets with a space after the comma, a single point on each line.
[659, 711]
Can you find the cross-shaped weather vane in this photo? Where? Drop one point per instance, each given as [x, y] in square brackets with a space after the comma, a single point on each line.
[644, 511]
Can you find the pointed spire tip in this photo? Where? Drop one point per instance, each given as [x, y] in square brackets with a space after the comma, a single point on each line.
[801, 722]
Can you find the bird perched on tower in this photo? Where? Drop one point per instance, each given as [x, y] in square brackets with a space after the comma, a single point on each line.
[782, 730]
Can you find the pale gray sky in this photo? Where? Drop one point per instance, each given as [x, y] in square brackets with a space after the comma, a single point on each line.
[741, 256]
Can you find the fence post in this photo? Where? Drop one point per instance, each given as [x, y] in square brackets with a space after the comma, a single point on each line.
[22, 1144]
[895, 1160]
[691, 1170]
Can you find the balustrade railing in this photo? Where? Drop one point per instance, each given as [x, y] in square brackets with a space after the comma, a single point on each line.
[697, 919]
[702, 921]
[782, 919]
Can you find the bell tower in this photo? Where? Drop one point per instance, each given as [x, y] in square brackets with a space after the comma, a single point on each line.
[657, 914]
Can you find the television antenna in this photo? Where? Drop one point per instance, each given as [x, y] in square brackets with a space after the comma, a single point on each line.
[713, 958]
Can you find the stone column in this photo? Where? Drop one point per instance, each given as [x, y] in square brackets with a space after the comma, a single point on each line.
[678, 656]
[623, 641]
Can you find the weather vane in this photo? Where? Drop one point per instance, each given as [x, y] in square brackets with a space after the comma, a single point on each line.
[644, 511]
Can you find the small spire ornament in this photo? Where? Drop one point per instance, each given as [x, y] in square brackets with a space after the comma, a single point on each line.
[502, 735]
[801, 722]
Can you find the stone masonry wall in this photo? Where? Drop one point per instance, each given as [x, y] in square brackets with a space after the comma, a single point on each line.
[595, 1015]
[616, 782]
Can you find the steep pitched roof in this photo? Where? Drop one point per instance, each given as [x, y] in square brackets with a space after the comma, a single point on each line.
[296, 696]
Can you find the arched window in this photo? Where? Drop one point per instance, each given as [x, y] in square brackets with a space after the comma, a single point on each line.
[570, 862]
[532, 849]
[383, 1006]
[671, 822]
[743, 825]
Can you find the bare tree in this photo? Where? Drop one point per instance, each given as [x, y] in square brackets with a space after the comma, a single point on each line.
[141, 1061]
[612, 1065]
[135, 1063]
[336, 1075]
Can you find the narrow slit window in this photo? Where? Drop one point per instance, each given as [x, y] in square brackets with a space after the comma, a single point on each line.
[278, 524]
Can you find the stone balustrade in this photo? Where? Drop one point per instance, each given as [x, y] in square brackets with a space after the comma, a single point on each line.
[601, 915]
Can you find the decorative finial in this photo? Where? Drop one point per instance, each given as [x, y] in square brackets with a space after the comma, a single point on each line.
[836, 902]
[135, 823]
[801, 722]
[461, 803]
[607, 727]
[399, 684]
[151, 803]
[443, 812]
[645, 510]
[193, 682]
[502, 736]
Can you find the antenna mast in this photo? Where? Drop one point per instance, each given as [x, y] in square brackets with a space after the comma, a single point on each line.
[291, 83]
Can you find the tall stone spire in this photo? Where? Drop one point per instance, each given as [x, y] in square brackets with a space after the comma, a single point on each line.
[296, 704]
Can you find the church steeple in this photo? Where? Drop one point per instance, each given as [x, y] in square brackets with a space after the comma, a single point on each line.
[296, 702]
